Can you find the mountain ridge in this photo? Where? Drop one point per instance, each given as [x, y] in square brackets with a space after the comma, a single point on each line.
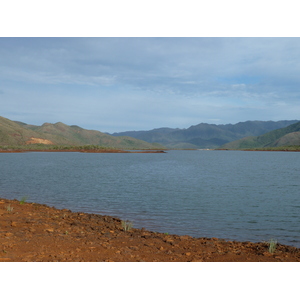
[200, 136]
[15, 133]
[287, 136]
[206, 135]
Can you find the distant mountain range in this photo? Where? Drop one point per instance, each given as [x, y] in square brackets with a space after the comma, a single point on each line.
[14, 133]
[204, 135]
[286, 136]
[250, 134]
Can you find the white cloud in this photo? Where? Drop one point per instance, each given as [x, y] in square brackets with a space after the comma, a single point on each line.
[154, 82]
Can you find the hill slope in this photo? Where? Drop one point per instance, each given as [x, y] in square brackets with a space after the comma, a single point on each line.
[205, 135]
[286, 136]
[15, 133]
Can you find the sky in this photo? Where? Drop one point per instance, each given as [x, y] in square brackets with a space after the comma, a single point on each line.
[135, 83]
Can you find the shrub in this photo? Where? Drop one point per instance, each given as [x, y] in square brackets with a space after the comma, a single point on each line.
[23, 200]
[272, 245]
[126, 225]
[9, 208]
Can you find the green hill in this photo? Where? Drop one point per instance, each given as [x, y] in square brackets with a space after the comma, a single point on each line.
[287, 136]
[14, 133]
[205, 135]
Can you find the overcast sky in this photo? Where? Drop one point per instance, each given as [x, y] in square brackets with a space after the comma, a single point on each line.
[120, 84]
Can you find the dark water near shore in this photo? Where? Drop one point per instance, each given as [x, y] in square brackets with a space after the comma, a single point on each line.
[235, 195]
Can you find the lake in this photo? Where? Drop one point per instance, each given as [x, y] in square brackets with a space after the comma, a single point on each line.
[234, 195]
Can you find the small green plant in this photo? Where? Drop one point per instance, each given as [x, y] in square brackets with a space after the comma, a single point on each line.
[166, 233]
[126, 225]
[9, 208]
[272, 245]
[23, 200]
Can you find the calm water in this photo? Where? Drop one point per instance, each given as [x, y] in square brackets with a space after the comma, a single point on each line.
[246, 196]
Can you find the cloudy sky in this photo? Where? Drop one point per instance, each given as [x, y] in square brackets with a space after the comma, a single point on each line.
[120, 84]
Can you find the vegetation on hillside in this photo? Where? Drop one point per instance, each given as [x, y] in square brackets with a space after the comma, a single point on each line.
[204, 135]
[18, 134]
[291, 148]
[287, 136]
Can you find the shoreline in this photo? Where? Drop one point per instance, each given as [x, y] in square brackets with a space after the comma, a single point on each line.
[36, 232]
[85, 151]
[261, 149]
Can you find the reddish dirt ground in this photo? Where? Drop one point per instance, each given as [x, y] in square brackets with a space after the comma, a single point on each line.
[84, 151]
[31, 232]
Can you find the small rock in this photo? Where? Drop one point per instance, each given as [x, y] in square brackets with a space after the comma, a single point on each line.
[169, 240]
[133, 248]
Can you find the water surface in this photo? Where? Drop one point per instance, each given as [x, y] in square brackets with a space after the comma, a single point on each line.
[234, 195]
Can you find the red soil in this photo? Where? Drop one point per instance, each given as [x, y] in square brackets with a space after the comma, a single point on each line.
[85, 151]
[34, 232]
